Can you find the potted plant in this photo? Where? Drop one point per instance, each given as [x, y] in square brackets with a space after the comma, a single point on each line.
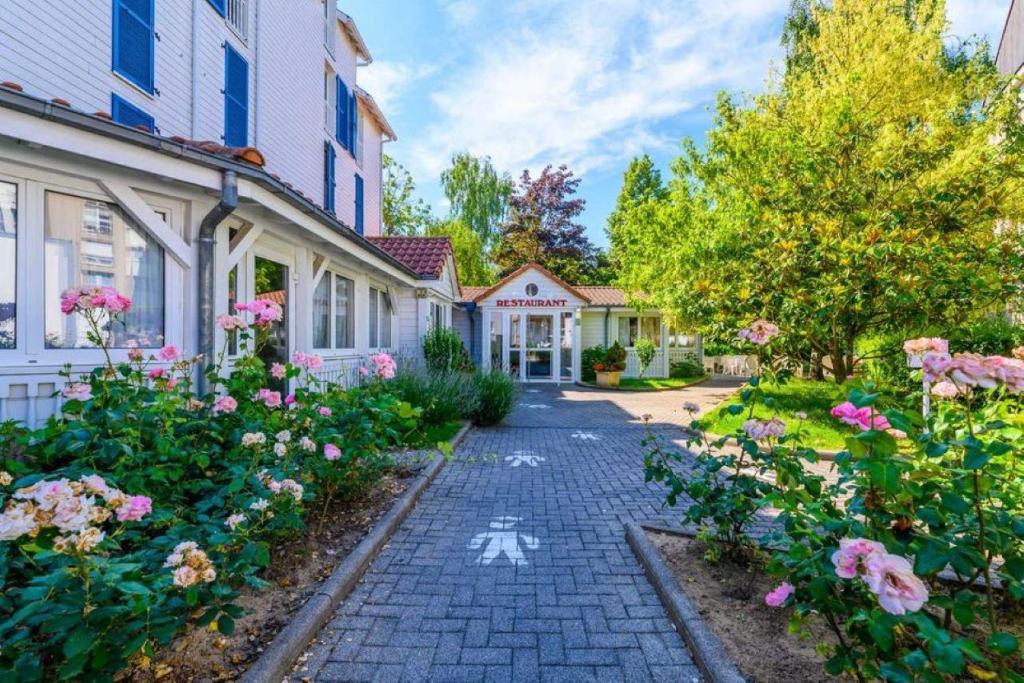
[609, 371]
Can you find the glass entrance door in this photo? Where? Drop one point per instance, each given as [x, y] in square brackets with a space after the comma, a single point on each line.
[539, 346]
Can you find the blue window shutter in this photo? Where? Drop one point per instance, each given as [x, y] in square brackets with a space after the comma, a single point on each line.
[220, 6]
[134, 41]
[359, 204]
[127, 114]
[329, 176]
[353, 122]
[341, 112]
[236, 98]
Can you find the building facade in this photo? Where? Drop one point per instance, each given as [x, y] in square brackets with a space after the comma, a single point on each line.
[195, 154]
[535, 326]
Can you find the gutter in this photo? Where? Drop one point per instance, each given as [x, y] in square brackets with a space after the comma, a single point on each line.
[34, 106]
[206, 280]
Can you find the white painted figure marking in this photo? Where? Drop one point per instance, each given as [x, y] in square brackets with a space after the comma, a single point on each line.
[585, 436]
[524, 457]
[535, 405]
[503, 540]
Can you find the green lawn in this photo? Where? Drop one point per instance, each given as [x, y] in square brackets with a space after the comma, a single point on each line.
[649, 383]
[430, 435]
[820, 429]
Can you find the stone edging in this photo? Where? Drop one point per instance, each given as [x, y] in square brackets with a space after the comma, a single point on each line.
[590, 385]
[278, 658]
[707, 649]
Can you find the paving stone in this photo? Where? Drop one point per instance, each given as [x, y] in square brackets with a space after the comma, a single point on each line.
[523, 573]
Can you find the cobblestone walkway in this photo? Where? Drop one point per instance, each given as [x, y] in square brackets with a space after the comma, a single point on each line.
[513, 567]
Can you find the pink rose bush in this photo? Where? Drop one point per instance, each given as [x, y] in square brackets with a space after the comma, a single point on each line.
[91, 299]
[331, 452]
[384, 365]
[265, 312]
[902, 550]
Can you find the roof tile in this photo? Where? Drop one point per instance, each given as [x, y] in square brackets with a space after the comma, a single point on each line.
[424, 255]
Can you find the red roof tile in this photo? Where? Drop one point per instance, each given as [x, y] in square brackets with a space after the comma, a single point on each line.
[603, 296]
[424, 255]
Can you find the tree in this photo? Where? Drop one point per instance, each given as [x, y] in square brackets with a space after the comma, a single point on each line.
[541, 226]
[478, 195]
[470, 259]
[402, 215]
[868, 191]
[640, 183]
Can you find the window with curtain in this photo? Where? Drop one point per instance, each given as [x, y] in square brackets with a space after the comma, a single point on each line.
[90, 243]
[633, 328]
[344, 313]
[372, 318]
[8, 264]
[385, 320]
[322, 313]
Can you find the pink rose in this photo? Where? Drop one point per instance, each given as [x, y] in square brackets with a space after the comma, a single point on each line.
[134, 509]
[157, 373]
[923, 345]
[314, 362]
[860, 417]
[77, 391]
[852, 555]
[170, 353]
[972, 370]
[384, 365]
[299, 358]
[172, 382]
[69, 301]
[779, 595]
[277, 371]
[271, 399]
[289, 400]
[763, 429]
[935, 365]
[324, 410]
[332, 452]
[225, 404]
[364, 371]
[945, 389]
[892, 579]
[135, 354]
[759, 332]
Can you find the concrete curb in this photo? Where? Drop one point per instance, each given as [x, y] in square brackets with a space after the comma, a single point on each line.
[708, 651]
[278, 658]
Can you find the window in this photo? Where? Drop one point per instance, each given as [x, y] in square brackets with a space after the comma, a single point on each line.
[380, 312]
[238, 17]
[236, 98]
[333, 304]
[329, 176]
[134, 41]
[633, 328]
[531, 289]
[353, 122]
[127, 114]
[8, 264]
[90, 242]
[232, 300]
[341, 99]
[677, 339]
[359, 204]
[436, 315]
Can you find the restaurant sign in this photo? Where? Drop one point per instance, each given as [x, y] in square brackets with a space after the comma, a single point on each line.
[531, 303]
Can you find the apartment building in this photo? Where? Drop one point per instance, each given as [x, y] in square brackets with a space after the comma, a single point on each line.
[194, 154]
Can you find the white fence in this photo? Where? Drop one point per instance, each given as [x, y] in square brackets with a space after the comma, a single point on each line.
[661, 366]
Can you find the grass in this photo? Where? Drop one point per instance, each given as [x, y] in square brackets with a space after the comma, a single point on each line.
[820, 429]
[650, 383]
[430, 435]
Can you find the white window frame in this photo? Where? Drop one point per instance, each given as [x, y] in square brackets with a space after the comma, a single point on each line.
[383, 296]
[30, 349]
[237, 14]
[335, 272]
[639, 328]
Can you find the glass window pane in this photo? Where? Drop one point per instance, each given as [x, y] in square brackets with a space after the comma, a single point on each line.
[90, 243]
[538, 331]
[232, 300]
[322, 313]
[652, 330]
[496, 340]
[514, 339]
[8, 263]
[372, 318]
[568, 330]
[385, 320]
[344, 318]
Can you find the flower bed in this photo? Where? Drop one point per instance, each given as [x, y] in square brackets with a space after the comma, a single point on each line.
[146, 510]
[861, 553]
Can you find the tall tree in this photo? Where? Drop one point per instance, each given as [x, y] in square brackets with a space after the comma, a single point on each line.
[867, 191]
[401, 212]
[640, 183]
[541, 226]
[478, 194]
[470, 260]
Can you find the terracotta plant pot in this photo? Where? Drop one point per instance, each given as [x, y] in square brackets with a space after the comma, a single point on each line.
[609, 378]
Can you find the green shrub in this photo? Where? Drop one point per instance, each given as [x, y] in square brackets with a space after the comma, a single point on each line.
[595, 354]
[443, 396]
[682, 369]
[496, 396]
[444, 351]
[645, 352]
[615, 359]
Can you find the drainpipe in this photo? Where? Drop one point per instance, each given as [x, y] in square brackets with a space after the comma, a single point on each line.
[227, 204]
[470, 310]
[607, 317]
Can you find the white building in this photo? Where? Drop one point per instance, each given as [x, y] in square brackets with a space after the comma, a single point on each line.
[196, 153]
[535, 326]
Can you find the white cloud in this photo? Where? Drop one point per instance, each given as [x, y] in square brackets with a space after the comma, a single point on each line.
[387, 81]
[587, 83]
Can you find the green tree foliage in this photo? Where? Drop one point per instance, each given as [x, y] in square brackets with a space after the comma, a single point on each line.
[640, 183]
[470, 260]
[867, 191]
[542, 227]
[401, 213]
[478, 194]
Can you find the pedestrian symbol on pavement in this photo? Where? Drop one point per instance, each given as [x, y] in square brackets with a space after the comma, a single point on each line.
[524, 458]
[503, 539]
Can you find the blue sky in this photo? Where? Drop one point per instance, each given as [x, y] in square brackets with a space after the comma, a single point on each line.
[591, 84]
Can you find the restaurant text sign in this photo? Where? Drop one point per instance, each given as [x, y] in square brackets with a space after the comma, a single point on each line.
[533, 303]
